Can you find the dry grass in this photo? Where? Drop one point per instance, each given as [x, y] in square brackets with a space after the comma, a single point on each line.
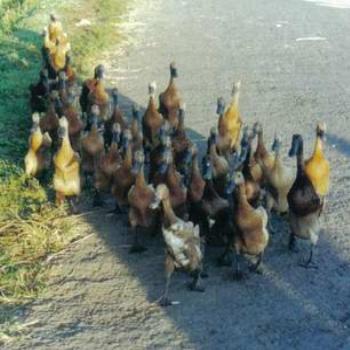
[32, 229]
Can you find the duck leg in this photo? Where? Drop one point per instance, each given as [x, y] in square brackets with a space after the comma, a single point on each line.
[195, 285]
[117, 210]
[236, 266]
[257, 266]
[98, 201]
[292, 243]
[169, 269]
[137, 247]
[60, 197]
[73, 204]
[309, 263]
[204, 271]
[223, 260]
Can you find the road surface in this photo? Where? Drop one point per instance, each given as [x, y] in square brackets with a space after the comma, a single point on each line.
[293, 58]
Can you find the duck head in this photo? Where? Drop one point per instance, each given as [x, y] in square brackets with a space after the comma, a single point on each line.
[152, 88]
[167, 159]
[220, 106]
[138, 162]
[173, 70]
[99, 72]
[115, 97]
[126, 139]
[162, 192]
[276, 146]
[321, 130]
[62, 131]
[296, 147]
[207, 170]
[235, 179]
[116, 133]
[136, 113]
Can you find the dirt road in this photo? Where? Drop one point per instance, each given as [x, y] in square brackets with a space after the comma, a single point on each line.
[293, 58]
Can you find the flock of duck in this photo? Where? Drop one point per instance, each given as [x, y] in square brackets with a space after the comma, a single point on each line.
[152, 168]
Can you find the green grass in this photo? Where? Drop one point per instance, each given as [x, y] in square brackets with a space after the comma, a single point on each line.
[32, 228]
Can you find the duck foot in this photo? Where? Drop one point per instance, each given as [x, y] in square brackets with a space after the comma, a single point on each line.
[292, 245]
[256, 269]
[238, 276]
[223, 261]
[98, 202]
[137, 249]
[73, 206]
[164, 301]
[117, 211]
[204, 274]
[196, 287]
[308, 265]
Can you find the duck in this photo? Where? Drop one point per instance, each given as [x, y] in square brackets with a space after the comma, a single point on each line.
[305, 205]
[135, 128]
[169, 100]
[168, 175]
[99, 96]
[107, 165]
[116, 117]
[220, 165]
[151, 122]
[182, 241]
[49, 120]
[251, 235]
[140, 197]
[156, 156]
[261, 156]
[92, 146]
[66, 179]
[253, 189]
[195, 187]
[181, 143]
[214, 207]
[38, 157]
[55, 28]
[123, 177]
[229, 123]
[279, 180]
[317, 167]
[39, 92]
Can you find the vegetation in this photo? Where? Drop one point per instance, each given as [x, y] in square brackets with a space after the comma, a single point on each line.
[31, 228]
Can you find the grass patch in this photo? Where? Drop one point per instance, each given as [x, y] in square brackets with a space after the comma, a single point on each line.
[31, 228]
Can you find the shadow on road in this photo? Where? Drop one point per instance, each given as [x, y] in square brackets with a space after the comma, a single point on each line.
[287, 306]
[341, 144]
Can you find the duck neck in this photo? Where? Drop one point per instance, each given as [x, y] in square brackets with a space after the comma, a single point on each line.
[168, 212]
[171, 176]
[235, 98]
[128, 156]
[195, 166]
[242, 196]
[212, 151]
[115, 101]
[261, 145]
[300, 158]
[140, 179]
[318, 149]
[152, 104]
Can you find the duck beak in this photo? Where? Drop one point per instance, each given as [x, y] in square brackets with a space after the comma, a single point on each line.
[163, 168]
[135, 168]
[230, 187]
[155, 203]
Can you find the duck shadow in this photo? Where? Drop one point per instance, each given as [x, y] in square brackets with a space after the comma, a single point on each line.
[287, 307]
[341, 144]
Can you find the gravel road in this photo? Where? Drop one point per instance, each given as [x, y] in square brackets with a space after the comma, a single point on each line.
[293, 58]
